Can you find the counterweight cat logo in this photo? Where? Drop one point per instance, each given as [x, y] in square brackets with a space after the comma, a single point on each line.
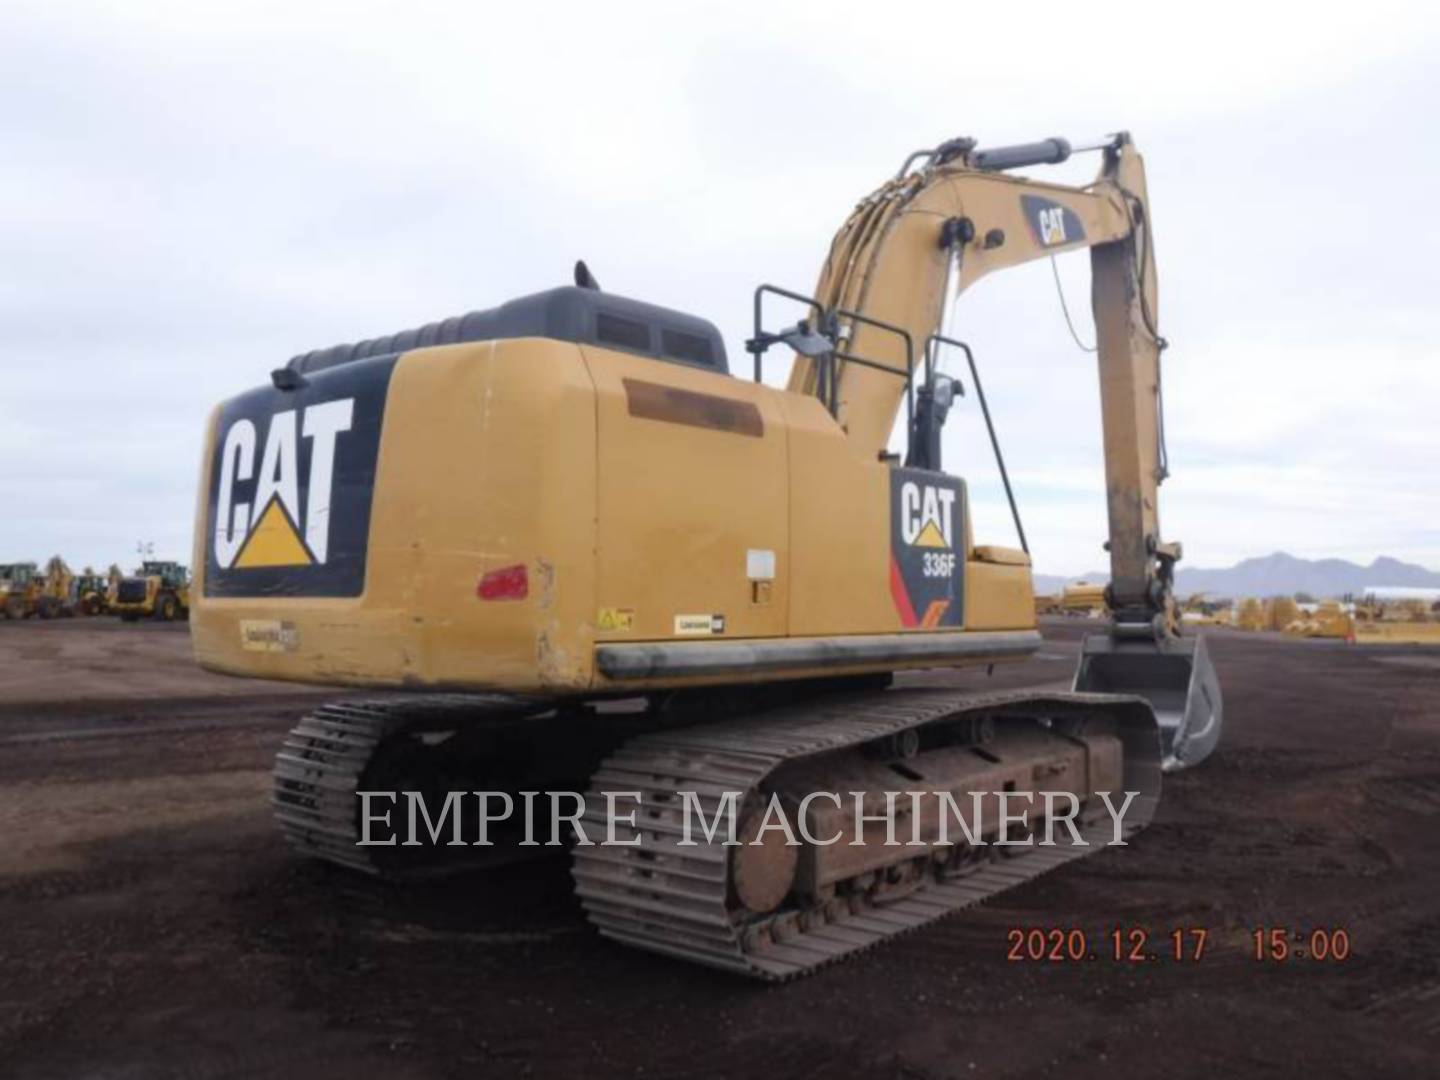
[273, 535]
[291, 485]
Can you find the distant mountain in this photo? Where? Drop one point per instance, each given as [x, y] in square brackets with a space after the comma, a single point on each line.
[1281, 574]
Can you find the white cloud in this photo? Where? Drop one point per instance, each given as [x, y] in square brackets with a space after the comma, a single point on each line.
[191, 193]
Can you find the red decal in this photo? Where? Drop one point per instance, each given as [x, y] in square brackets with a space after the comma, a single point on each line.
[507, 583]
[901, 597]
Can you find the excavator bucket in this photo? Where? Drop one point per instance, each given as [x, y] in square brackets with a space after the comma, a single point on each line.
[1177, 679]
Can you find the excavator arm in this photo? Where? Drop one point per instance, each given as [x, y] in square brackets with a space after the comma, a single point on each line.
[951, 216]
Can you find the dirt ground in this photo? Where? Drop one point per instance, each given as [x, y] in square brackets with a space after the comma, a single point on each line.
[152, 924]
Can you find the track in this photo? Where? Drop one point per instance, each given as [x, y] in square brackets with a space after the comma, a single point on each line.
[441, 743]
[431, 744]
[680, 900]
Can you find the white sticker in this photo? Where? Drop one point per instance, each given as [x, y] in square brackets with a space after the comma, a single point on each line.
[268, 635]
[760, 564]
[695, 625]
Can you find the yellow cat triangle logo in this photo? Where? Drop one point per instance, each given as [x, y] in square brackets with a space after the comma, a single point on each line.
[273, 541]
[931, 537]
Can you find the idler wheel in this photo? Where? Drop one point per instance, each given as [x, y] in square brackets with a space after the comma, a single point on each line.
[762, 872]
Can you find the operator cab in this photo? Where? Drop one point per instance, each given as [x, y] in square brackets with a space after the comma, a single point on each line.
[171, 573]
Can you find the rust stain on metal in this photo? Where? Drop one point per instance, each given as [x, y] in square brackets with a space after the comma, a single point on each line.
[655, 401]
[545, 574]
[550, 661]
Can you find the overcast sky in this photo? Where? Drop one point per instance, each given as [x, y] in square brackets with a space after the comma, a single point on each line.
[190, 193]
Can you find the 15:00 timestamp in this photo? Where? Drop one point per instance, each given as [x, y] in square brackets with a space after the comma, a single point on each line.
[1280, 943]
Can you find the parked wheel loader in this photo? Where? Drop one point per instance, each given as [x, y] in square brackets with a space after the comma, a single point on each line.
[158, 590]
[26, 592]
[91, 593]
[586, 550]
[21, 590]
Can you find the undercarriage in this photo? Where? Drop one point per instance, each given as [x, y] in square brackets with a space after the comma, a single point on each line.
[768, 834]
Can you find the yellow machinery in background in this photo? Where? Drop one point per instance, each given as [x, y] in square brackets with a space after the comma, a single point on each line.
[526, 514]
[26, 592]
[113, 576]
[1397, 622]
[158, 590]
[1198, 611]
[1272, 614]
[58, 589]
[1250, 615]
[21, 590]
[1326, 619]
[1329, 619]
[1083, 598]
[1047, 604]
[90, 592]
[1281, 611]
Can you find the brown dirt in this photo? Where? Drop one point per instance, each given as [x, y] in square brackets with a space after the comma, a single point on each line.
[152, 925]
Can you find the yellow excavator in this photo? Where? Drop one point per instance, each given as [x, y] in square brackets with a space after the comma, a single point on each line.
[591, 553]
[59, 588]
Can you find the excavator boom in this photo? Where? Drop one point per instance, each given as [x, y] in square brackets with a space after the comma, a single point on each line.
[940, 228]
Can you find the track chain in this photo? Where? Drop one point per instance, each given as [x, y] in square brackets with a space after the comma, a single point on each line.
[325, 757]
[674, 899]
